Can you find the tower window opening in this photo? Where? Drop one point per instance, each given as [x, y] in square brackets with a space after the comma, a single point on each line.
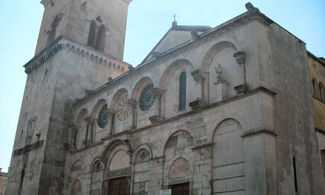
[92, 34]
[96, 37]
[321, 92]
[52, 32]
[315, 95]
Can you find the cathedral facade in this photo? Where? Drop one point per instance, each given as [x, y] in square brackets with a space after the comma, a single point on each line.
[223, 110]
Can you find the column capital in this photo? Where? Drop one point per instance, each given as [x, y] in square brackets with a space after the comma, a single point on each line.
[198, 75]
[132, 103]
[110, 112]
[157, 92]
[90, 120]
[240, 57]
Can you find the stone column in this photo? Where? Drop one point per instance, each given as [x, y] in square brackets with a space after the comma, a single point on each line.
[199, 77]
[241, 59]
[157, 93]
[72, 139]
[111, 117]
[90, 130]
[132, 104]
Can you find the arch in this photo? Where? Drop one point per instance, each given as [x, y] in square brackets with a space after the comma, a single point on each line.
[208, 58]
[76, 165]
[141, 167]
[97, 170]
[96, 165]
[315, 91]
[113, 144]
[100, 114]
[188, 135]
[97, 107]
[92, 34]
[117, 157]
[180, 168]
[227, 156]
[117, 96]
[321, 91]
[100, 39]
[76, 187]
[120, 160]
[163, 82]
[220, 123]
[81, 116]
[139, 149]
[177, 146]
[140, 84]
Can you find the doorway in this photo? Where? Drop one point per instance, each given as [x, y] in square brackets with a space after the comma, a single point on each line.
[119, 186]
[181, 189]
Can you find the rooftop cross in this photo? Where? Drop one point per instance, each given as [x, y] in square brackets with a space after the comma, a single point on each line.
[174, 22]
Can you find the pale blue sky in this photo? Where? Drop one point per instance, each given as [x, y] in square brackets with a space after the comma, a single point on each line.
[148, 21]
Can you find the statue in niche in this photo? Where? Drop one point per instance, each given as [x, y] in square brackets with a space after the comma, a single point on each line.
[219, 71]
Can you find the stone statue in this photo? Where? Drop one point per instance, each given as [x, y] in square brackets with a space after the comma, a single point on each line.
[219, 71]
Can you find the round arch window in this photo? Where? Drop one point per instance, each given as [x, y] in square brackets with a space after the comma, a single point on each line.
[146, 98]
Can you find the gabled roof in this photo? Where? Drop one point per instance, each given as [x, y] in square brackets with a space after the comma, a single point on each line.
[174, 37]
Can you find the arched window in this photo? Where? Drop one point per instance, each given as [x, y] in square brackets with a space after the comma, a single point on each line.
[315, 95]
[100, 41]
[52, 31]
[182, 91]
[92, 34]
[321, 92]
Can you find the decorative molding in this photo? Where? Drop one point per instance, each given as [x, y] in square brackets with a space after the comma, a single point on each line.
[29, 148]
[240, 57]
[320, 129]
[197, 104]
[197, 75]
[63, 42]
[240, 89]
[257, 132]
[202, 146]
[46, 2]
[42, 57]
[156, 119]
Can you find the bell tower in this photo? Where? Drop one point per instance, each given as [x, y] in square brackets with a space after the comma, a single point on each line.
[80, 46]
[99, 24]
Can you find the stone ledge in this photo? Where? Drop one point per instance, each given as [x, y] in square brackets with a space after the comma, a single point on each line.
[178, 117]
[63, 42]
[29, 148]
[320, 129]
[202, 146]
[257, 132]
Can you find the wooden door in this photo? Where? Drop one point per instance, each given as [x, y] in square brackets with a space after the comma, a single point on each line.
[119, 186]
[181, 189]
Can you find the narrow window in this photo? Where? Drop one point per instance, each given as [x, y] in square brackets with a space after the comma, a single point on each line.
[295, 173]
[75, 139]
[92, 34]
[321, 92]
[323, 161]
[182, 91]
[314, 88]
[52, 32]
[100, 41]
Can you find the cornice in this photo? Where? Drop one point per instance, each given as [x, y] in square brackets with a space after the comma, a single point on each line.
[77, 48]
[43, 56]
